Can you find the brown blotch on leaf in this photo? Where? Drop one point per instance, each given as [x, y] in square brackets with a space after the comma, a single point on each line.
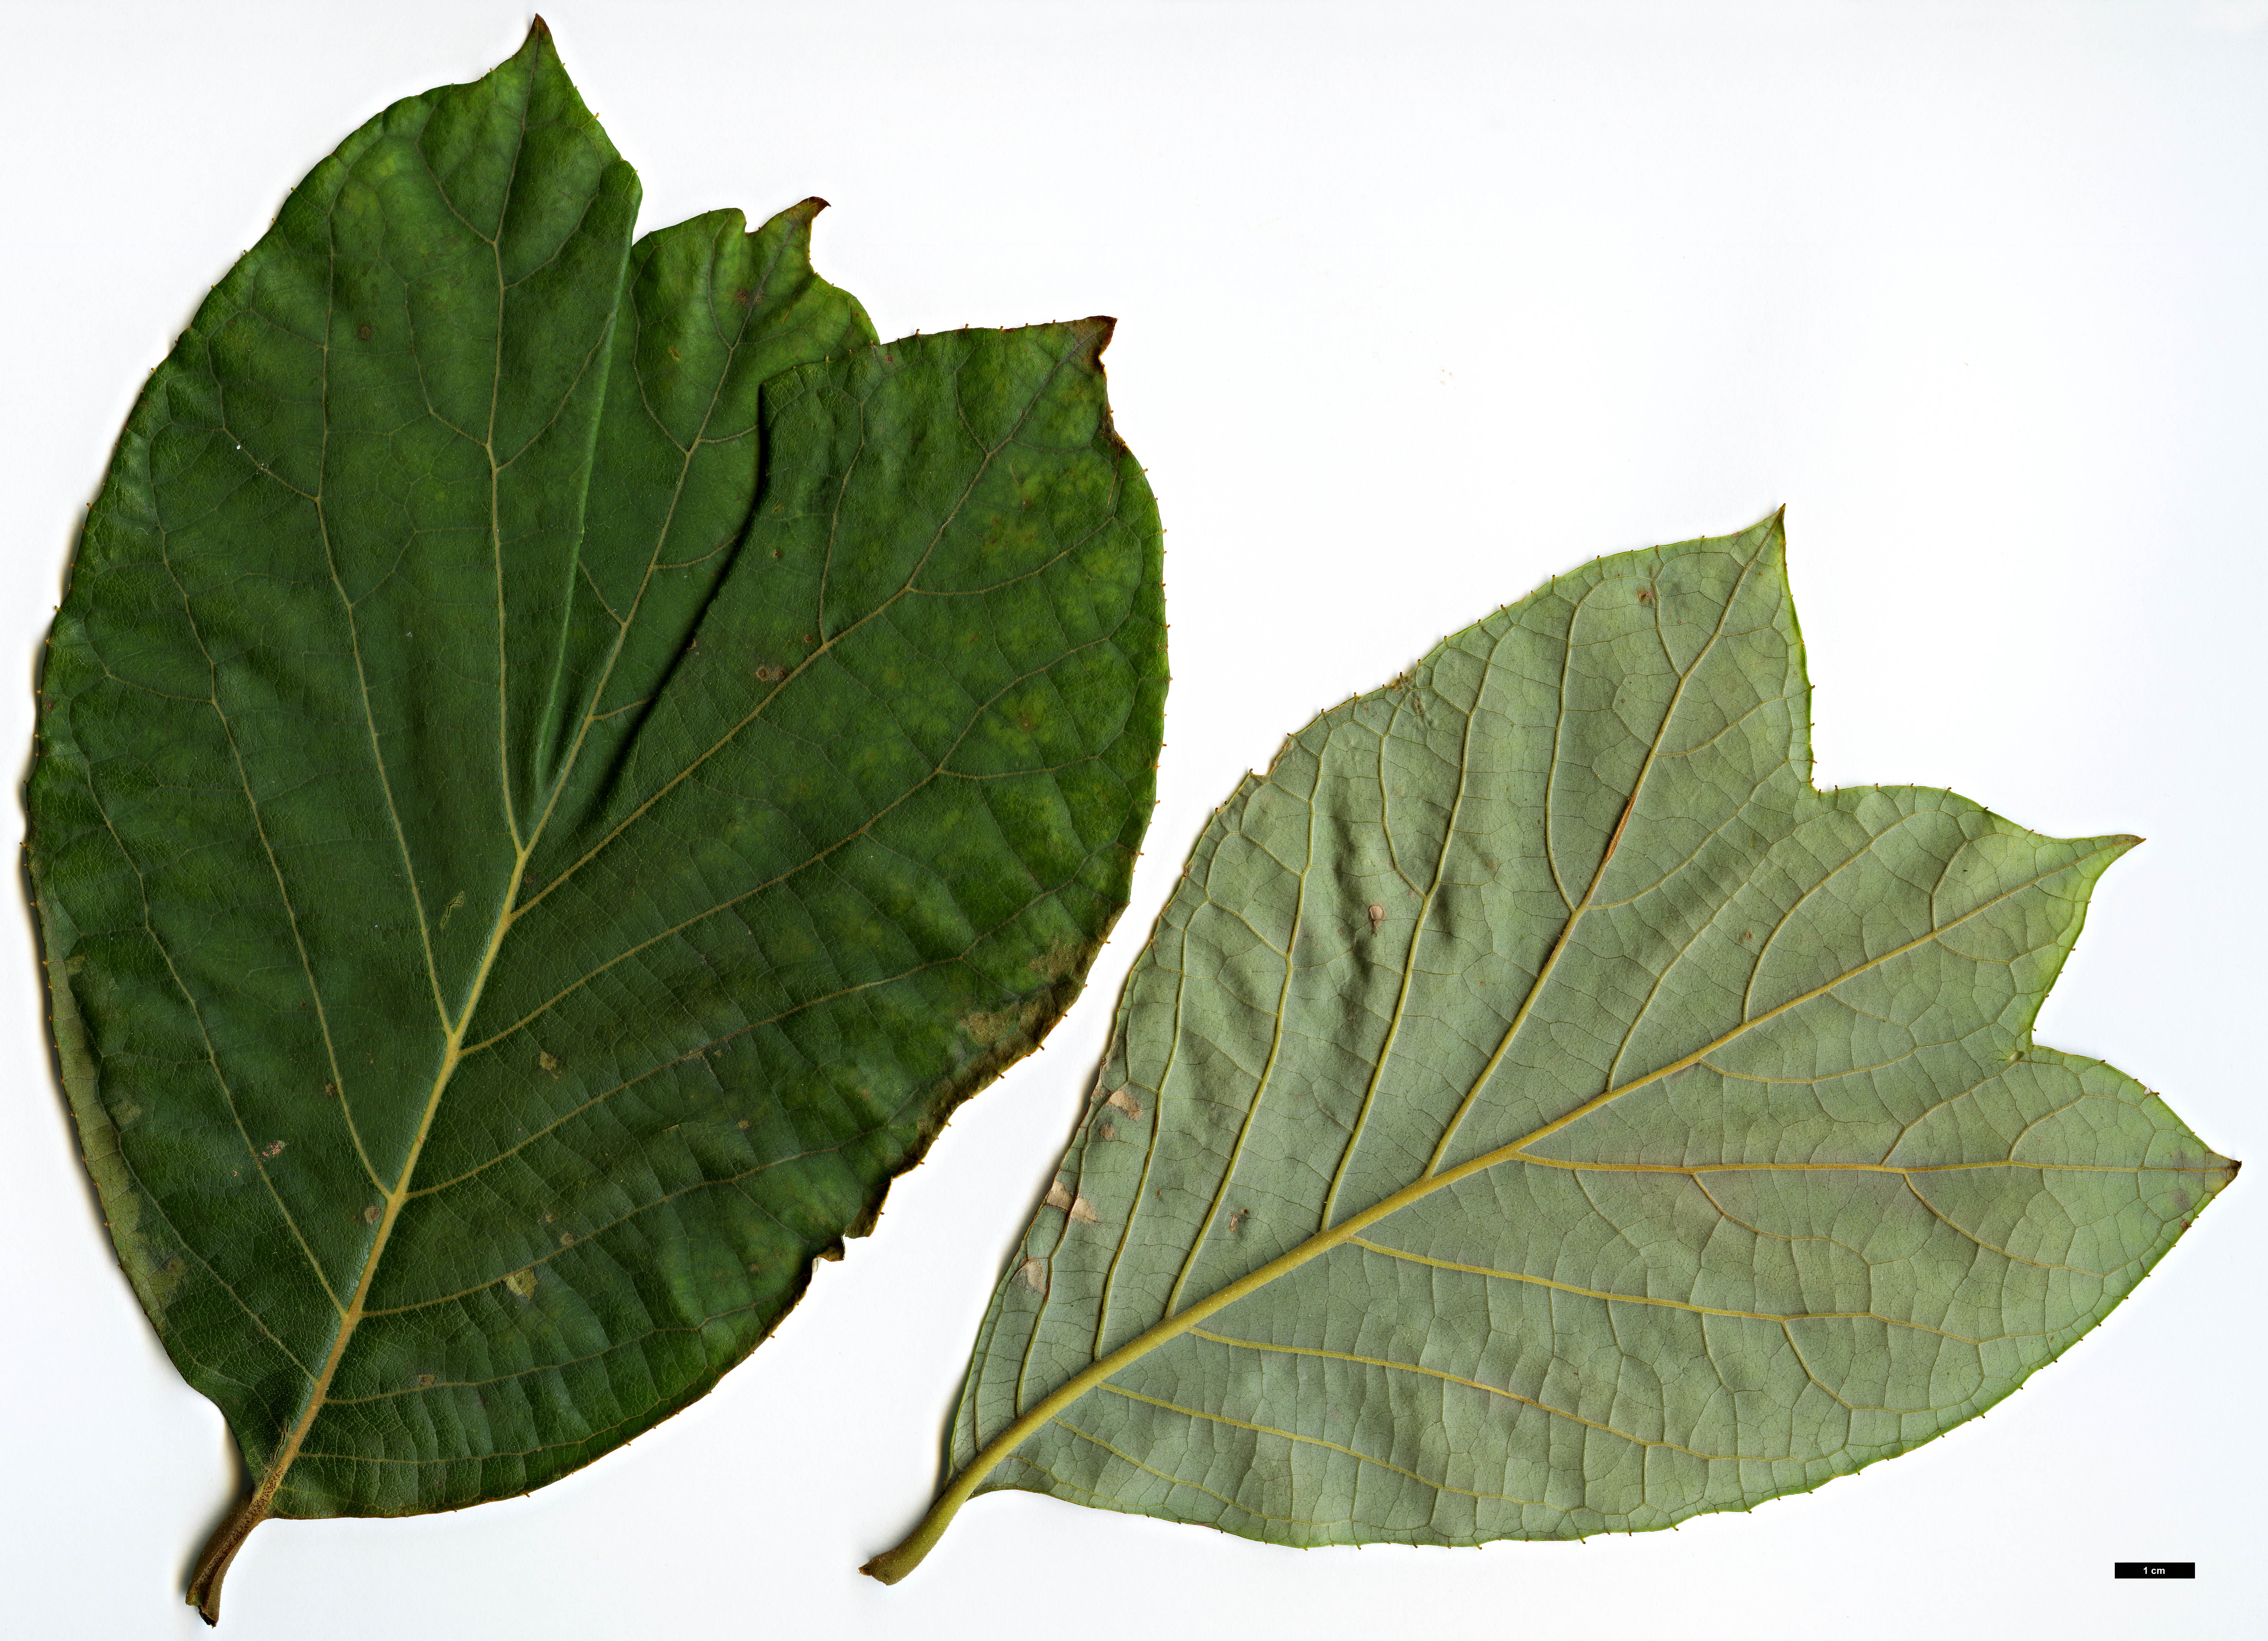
[990, 1029]
[1034, 1274]
[369, 1215]
[1108, 1132]
[522, 1282]
[1078, 1207]
[1121, 1100]
[548, 1061]
[1645, 595]
[424, 1380]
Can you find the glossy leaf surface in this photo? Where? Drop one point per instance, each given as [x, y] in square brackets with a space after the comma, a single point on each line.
[1540, 1112]
[562, 763]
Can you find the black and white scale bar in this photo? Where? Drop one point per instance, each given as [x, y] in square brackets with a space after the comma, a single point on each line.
[2153, 1570]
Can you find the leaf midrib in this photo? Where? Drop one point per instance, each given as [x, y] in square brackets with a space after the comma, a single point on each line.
[395, 1196]
[287, 1452]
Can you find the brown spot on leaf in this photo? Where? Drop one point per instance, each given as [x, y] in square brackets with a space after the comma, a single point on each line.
[548, 1061]
[1078, 1207]
[1236, 1220]
[1034, 1274]
[423, 1380]
[272, 1152]
[741, 299]
[1377, 917]
[522, 1282]
[988, 1029]
[369, 1215]
[1108, 1132]
[362, 333]
[1121, 1100]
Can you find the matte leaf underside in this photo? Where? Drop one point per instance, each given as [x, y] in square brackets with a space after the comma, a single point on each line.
[1540, 1111]
[561, 764]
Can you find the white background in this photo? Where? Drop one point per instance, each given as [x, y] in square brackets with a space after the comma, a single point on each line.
[1419, 304]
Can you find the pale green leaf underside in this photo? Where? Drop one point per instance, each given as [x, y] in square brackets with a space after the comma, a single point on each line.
[1540, 1111]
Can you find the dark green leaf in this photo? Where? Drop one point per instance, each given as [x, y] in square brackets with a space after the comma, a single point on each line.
[561, 764]
[1540, 1112]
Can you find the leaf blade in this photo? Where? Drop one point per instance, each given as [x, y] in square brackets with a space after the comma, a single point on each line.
[1307, 1323]
[494, 949]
